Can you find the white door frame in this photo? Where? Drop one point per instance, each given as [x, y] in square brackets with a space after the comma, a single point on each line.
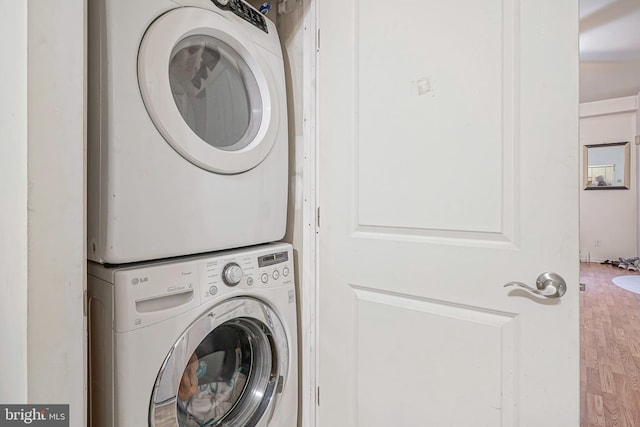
[309, 273]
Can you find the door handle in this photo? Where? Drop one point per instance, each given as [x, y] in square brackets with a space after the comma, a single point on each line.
[550, 285]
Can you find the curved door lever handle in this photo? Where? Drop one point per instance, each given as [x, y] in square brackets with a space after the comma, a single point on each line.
[550, 285]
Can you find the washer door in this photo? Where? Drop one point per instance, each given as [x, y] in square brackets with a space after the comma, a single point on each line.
[208, 90]
[227, 369]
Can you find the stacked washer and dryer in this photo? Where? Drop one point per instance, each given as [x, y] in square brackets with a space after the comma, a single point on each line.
[192, 306]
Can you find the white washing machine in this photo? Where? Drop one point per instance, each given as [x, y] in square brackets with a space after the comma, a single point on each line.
[199, 341]
[187, 145]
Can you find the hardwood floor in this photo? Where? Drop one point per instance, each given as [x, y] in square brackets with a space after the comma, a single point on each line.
[610, 350]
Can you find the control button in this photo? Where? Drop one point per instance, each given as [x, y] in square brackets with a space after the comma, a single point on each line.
[285, 271]
[276, 275]
[213, 290]
[232, 274]
[249, 281]
[222, 2]
[264, 278]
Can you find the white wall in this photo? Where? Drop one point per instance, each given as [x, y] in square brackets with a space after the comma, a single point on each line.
[13, 193]
[56, 219]
[637, 160]
[42, 220]
[609, 216]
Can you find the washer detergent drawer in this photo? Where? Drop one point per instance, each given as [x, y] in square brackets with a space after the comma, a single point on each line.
[146, 296]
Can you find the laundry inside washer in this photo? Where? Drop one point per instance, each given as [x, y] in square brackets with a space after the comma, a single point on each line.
[216, 376]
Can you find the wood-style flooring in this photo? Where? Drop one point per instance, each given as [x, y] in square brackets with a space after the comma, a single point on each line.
[610, 350]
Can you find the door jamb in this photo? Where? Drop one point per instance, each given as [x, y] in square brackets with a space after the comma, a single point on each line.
[309, 275]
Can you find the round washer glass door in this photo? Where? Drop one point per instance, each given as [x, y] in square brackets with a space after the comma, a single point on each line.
[208, 90]
[225, 370]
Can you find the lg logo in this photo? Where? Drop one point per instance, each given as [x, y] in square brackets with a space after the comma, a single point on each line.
[137, 280]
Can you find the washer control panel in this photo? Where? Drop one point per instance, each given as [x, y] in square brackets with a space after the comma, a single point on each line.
[147, 294]
[267, 269]
[245, 12]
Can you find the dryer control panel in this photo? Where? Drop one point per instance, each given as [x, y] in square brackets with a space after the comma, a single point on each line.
[245, 12]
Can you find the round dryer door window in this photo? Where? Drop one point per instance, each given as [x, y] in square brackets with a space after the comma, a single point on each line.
[209, 90]
[216, 92]
[227, 369]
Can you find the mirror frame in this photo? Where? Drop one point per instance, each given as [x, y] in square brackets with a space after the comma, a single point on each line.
[626, 172]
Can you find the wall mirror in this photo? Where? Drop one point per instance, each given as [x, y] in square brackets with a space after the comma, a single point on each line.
[606, 166]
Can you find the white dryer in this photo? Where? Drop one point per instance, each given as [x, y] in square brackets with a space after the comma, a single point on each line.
[198, 341]
[187, 148]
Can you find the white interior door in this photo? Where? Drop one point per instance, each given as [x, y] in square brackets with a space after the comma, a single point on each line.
[448, 140]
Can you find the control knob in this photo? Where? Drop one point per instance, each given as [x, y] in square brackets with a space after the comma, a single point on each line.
[222, 3]
[232, 274]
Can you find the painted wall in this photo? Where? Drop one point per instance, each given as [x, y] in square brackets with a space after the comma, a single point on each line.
[13, 192]
[608, 218]
[42, 167]
[638, 163]
[57, 258]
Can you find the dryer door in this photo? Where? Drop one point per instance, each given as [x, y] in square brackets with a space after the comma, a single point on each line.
[208, 90]
[227, 369]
